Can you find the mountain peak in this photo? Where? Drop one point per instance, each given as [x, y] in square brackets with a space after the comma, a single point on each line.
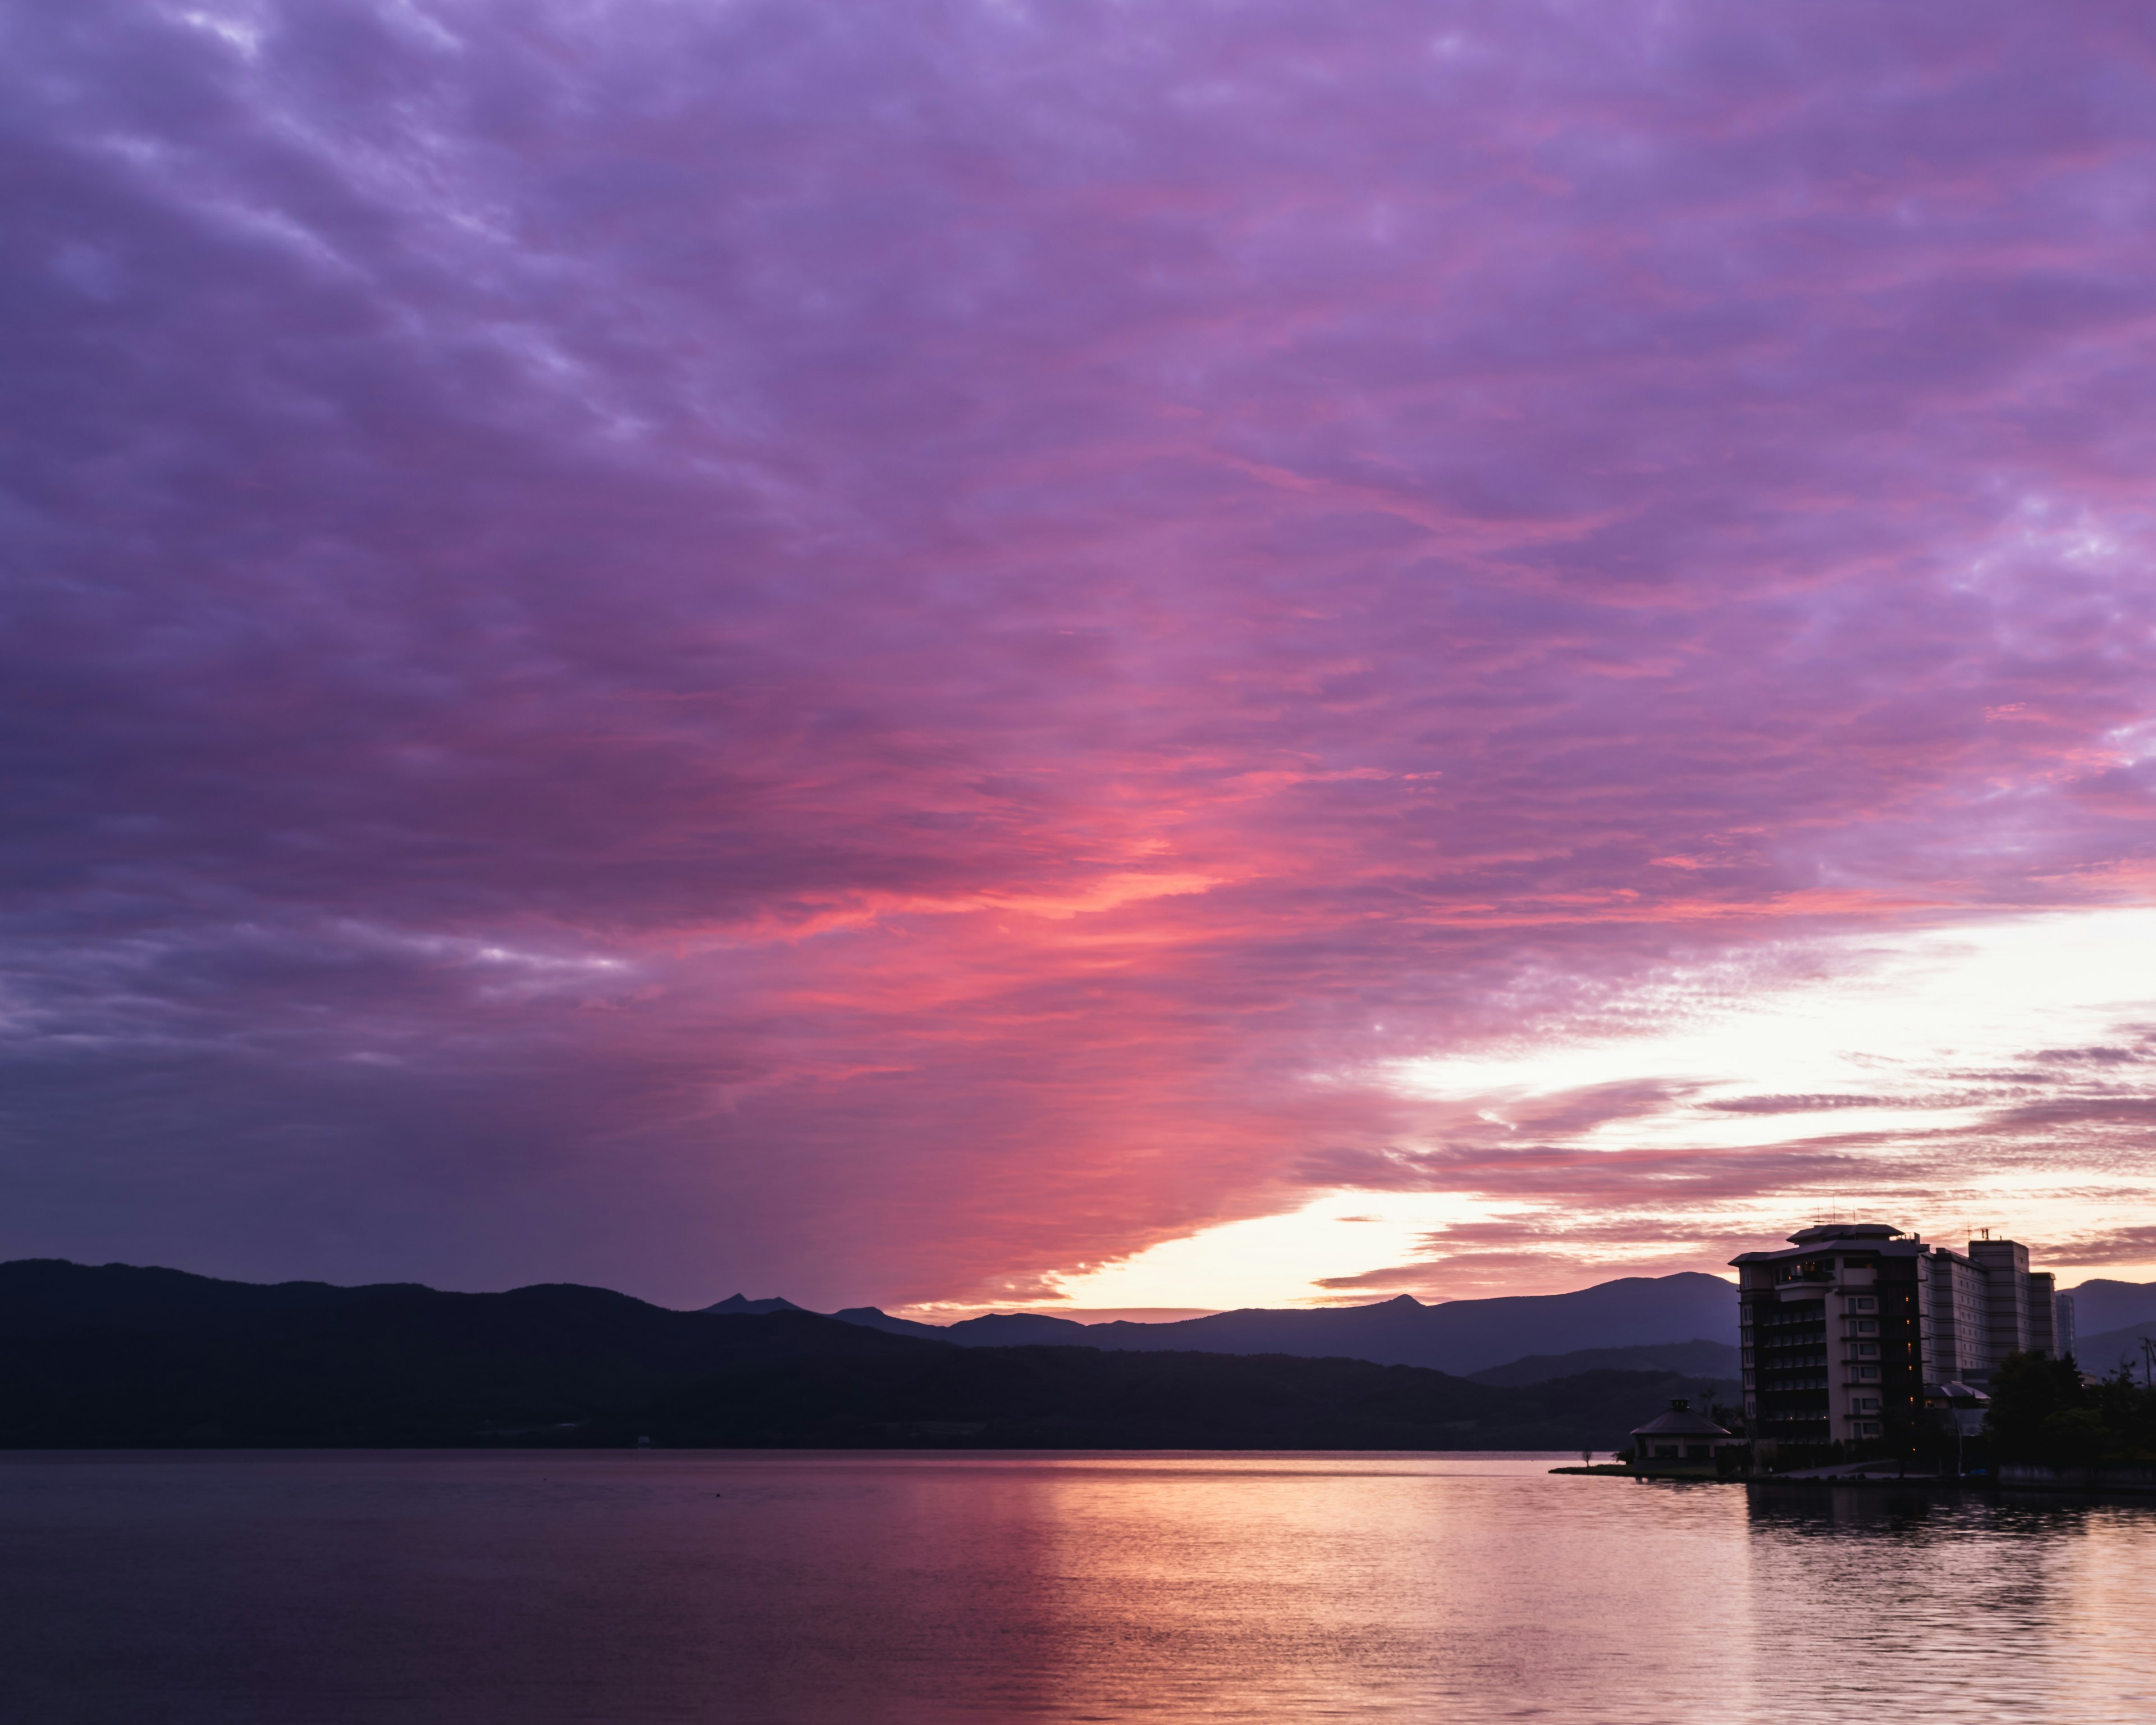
[737, 1304]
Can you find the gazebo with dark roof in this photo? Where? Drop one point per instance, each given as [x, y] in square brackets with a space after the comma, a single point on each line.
[1681, 1442]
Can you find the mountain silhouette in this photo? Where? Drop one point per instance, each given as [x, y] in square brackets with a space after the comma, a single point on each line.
[122, 1356]
[1457, 1336]
[1715, 1360]
[740, 1305]
[2105, 1352]
[2103, 1305]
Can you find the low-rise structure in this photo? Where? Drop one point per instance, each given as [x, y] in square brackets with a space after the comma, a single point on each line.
[1849, 1332]
[1681, 1442]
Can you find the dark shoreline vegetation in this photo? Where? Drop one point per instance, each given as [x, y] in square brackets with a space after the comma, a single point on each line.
[117, 1357]
[2043, 1415]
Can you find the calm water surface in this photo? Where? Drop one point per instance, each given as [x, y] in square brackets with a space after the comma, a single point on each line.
[799, 1588]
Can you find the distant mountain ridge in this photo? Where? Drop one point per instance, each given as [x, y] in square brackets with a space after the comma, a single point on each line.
[1709, 1361]
[2106, 1352]
[2103, 1305]
[740, 1305]
[1461, 1336]
[121, 1357]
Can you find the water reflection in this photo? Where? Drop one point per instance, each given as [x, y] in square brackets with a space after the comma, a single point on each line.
[330, 1590]
[2012, 1599]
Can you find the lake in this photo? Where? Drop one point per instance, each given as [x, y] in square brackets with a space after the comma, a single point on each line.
[801, 1588]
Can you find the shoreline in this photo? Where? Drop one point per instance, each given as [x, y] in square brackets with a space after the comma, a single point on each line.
[1925, 1481]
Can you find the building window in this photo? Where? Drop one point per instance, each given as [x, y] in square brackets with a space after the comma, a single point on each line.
[1867, 1405]
[1867, 1350]
[1867, 1372]
[1867, 1304]
[1864, 1326]
[1867, 1428]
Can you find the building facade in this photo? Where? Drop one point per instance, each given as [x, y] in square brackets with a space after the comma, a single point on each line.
[1845, 1330]
[2044, 1324]
[2005, 1266]
[1959, 1315]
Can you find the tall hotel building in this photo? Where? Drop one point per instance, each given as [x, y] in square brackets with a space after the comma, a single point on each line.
[1844, 1331]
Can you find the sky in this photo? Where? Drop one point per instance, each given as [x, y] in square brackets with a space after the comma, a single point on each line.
[1093, 656]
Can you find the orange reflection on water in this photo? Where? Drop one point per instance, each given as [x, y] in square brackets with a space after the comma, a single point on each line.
[802, 1588]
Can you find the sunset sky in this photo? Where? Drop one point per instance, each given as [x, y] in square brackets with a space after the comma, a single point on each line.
[1130, 657]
